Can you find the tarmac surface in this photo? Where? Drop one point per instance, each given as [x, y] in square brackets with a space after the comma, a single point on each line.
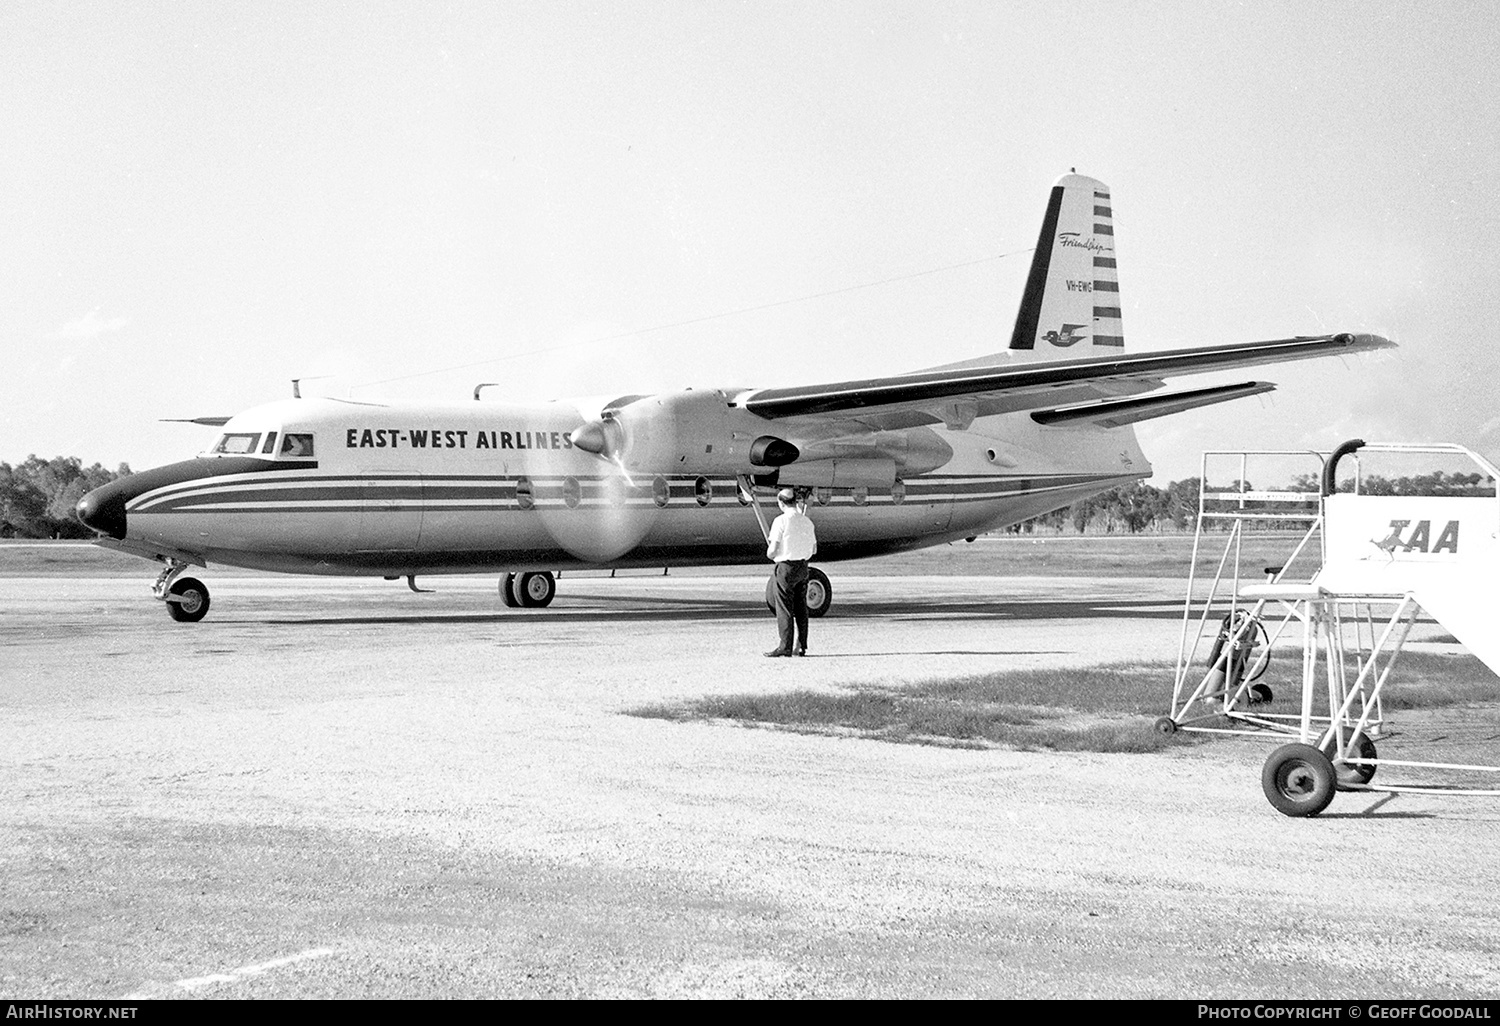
[342, 789]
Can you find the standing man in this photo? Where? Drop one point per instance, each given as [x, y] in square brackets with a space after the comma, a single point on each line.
[790, 544]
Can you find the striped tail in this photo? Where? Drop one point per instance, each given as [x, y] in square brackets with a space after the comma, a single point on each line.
[1071, 306]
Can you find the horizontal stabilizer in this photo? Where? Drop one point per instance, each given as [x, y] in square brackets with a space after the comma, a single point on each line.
[1119, 412]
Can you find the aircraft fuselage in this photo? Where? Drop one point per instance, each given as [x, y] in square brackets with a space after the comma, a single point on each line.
[321, 486]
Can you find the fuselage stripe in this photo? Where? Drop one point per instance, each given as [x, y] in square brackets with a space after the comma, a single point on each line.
[602, 493]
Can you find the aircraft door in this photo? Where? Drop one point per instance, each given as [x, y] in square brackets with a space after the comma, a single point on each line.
[390, 516]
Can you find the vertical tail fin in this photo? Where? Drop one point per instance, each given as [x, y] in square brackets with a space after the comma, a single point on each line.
[1071, 306]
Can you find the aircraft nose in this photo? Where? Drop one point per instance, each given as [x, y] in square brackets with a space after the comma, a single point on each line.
[103, 510]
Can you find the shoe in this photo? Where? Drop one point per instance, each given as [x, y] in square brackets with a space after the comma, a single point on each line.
[799, 651]
[777, 653]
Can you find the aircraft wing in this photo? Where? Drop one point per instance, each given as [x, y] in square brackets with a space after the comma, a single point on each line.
[1065, 389]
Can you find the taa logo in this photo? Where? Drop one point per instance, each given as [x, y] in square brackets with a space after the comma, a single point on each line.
[1420, 538]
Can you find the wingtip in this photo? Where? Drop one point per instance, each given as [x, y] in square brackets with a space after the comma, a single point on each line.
[1360, 342]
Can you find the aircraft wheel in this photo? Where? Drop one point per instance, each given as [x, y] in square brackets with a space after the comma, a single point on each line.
[1353, 774]
[1261, 694]
[1298, 780]
[1166, 725]
[536, 589]
[819, 592]
[508, 591]
[187, 600]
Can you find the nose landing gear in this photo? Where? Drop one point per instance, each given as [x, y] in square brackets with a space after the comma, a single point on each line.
[186, 597]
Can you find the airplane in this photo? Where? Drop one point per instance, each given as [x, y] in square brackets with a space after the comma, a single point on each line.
[526, 490]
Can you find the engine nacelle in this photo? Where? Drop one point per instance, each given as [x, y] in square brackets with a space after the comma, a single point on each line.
[770, 451]
[857, 473]
[687, 432]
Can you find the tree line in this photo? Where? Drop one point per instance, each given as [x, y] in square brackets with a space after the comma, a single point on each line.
[1128, 509]
[37, 496]
[1138, 508]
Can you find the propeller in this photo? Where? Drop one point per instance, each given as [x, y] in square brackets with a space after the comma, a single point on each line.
[619, 462]
[667, 437]
[604, 438]
[615, 526]
[674, 434]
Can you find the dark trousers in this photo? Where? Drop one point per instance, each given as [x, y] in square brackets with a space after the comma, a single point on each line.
[791, 602]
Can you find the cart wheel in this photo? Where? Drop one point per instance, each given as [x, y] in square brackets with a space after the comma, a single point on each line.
[1261, 694]
[1350, 773]
[1166, 725]
[1298, 780]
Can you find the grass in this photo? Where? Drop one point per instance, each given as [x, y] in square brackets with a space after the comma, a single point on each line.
[1098, 709]
[1108, 709]
[1429, 680]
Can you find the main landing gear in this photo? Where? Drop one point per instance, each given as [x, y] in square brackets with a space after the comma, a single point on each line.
[186, 597]
[819, 593]
[531, 590]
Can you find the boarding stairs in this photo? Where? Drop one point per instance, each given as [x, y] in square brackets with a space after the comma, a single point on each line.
[1363, 568]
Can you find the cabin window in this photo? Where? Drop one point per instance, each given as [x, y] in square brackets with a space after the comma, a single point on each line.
[823, 496]
[270, 446]
[703, 489]
[898, 492]
[661, 493]
[237, 444]
[524, 497]
[860, 495]
[297, 446]
[572, 492]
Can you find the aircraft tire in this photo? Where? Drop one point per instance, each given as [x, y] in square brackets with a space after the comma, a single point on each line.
[536, 589]
[1298, 780]
[508, 591]
[1166, 725]
[819, 593]
[1261, 694]
[189, 601]
[1354, 774]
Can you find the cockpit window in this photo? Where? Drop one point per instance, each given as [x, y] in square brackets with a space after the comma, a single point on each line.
[237, 444]
[297, 445]
[270, 445]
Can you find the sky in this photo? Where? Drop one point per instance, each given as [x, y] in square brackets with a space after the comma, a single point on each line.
[398, 200]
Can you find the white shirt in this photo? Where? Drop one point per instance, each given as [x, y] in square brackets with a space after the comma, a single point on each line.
[792, 537]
